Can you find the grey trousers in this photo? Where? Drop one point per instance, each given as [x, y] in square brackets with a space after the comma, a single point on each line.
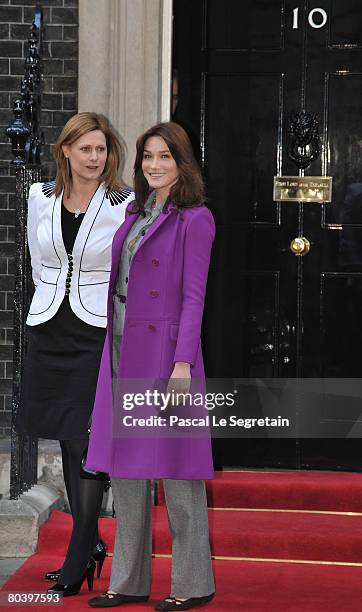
[187, 514]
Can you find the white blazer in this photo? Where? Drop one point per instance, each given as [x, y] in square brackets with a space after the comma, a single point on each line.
[83, 275]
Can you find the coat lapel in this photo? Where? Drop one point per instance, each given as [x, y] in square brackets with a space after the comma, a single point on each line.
[156, 225]
[117, 245]
[122, 233]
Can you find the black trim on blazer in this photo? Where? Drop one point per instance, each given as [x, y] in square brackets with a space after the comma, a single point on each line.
[94, 314]
[85, 271]
[91, 284]
[117, 197]
[35, 314]
[48, 188]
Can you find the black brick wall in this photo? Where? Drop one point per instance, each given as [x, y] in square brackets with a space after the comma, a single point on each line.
[60, 67]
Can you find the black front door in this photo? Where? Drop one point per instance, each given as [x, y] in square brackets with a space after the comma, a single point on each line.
[242, 69]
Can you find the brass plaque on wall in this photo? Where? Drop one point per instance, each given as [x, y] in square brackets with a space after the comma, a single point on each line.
[303, 189]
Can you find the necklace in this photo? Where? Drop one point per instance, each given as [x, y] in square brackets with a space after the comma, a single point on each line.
[77, 212]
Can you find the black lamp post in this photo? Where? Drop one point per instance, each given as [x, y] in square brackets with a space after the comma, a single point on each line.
[18, 132]
[26, 139]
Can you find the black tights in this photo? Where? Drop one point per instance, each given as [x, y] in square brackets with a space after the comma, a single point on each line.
[85, 500]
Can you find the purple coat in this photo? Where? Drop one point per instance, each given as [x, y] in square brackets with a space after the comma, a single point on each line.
[165, 302]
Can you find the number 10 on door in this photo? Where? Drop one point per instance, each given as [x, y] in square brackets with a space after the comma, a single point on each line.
[313, 22]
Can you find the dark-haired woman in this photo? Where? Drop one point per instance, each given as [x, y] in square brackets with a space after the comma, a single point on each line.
[159, 272]
[71, 223]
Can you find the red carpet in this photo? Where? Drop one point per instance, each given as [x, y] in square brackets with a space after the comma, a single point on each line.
[270, 535]
[241, 587]
[247, 585]
[341, 492]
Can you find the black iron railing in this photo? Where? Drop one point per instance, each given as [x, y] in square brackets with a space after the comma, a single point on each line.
[27, 139]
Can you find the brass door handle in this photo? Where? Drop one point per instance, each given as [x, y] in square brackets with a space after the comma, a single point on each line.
[300, 246]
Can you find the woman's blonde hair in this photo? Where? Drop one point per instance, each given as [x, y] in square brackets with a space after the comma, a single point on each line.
[77, 126]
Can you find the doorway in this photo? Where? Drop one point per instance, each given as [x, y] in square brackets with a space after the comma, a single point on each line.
[241, 69]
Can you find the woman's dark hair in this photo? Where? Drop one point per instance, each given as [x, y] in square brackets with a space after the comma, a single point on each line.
[189, 190]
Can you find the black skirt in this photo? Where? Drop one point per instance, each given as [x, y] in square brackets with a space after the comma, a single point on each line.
[60, 376]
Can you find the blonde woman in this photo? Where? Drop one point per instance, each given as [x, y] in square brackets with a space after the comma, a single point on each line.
[71, 223]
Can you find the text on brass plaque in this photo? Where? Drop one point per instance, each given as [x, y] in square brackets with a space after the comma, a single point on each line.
[303, 189]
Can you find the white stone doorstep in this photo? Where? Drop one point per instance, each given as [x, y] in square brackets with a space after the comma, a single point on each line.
[20, 519]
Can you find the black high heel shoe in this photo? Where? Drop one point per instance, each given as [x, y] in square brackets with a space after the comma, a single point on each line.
[99, 553]
[73, 589]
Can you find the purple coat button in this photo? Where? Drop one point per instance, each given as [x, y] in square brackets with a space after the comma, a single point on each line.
[155, 262]
[154, 293]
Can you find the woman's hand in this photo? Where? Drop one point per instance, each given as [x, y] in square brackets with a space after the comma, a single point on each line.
[180, 380]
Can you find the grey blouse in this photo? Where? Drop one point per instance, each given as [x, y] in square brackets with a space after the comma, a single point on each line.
[130, 246]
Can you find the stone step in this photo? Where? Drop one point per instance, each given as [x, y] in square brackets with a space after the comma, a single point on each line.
[20, 519]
